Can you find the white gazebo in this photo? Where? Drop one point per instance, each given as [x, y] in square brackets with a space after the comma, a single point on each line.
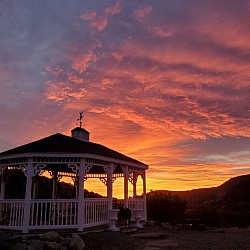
[75, 157]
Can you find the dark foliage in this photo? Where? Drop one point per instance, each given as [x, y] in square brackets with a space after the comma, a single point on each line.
[165, 207]
[16, 182]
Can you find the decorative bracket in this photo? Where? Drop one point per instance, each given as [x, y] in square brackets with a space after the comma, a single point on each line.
[37, 168]
[133, 178]
[2, 169]
[104, 180]
[87, 168]
[24, 167]
[74, 168]
[41, 172]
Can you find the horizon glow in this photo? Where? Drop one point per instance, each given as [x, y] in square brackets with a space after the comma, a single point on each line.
[164, 82]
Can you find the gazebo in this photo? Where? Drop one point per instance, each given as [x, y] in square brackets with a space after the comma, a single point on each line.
[74, 157]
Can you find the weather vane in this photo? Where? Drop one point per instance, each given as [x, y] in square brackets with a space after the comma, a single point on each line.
[80, 119]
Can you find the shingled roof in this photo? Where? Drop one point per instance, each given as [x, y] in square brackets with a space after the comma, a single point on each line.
[59, 143]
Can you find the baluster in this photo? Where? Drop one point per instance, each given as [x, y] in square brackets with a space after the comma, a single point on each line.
[49, 222]
[58, 218]
[45, 213]
[54, 213]
[36, 209]
[66, 214]
[11, 213]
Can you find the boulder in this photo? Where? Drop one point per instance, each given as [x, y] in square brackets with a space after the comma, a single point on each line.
[19, 246]
[48, 245]
[166, 225]
[35, 245]
[76, 243]
[51, 236]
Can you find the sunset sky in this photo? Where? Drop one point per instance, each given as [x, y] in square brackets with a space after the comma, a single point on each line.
[166, 82]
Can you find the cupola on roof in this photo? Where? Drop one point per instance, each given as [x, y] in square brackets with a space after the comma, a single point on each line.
[79, 132]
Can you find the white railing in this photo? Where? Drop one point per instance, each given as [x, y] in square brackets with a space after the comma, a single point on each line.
[135, 203]
[11, 213]
[96, 211]
[53, 213]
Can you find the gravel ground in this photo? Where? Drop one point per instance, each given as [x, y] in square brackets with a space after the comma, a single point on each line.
[222, 239]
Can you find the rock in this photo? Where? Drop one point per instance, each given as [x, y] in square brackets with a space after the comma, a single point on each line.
[150, 223]
[35, 245]
[51, 236]
[48, 245]
[76, 243]
[163, 243]
[66, 242]
[19, 246]
[148, 235]
[166, 225]
[16, 239]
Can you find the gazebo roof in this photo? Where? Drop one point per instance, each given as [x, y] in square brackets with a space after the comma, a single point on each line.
[59, 143]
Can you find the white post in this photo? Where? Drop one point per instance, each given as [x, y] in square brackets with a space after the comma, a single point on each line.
[144, 194]
[126, 186]
[54, 183]
[3, 181]
[110, 186]
[134, 184]
[35, 186]
[2, 194]
[81, 205]
[26, 215]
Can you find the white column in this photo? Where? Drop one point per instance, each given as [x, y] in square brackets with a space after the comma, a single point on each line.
[26, 215]
[126, 186]
[2, 194]
[110, 185]
[81, 205]
[144, 194]
[134, 184]
[3, 181]
[54, 185]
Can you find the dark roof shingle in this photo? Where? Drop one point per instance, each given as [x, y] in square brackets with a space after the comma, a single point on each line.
[59, 143]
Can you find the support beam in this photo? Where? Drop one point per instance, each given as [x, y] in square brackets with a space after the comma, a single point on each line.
[135, 176]
[26, 216]
[81, 205]
[126, 176]
[144, 194]
[2, 194]
[54, 183]
[110, 185]
[3, 183]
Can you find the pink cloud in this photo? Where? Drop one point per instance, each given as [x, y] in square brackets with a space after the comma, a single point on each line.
[99, 21]
[142, 11]
[81, 62]
[62, 91]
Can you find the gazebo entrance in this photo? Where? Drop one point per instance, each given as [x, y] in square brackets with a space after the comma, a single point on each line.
[60, 155]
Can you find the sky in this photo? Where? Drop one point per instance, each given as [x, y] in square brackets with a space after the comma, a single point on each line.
[165, 82]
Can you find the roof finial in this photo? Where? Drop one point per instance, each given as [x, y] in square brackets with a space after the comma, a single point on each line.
[80, 119]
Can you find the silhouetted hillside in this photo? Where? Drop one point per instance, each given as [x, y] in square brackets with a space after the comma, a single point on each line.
[227, 204]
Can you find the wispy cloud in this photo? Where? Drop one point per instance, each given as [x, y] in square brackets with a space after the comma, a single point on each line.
[169, 79]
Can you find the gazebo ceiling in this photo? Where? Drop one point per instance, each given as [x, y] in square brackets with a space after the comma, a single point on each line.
[67, 145]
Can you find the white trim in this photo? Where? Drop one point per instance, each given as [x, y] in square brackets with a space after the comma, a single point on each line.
[81, 155]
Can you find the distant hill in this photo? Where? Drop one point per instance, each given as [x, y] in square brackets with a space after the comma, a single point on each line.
[227, 204]
[234, 190]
